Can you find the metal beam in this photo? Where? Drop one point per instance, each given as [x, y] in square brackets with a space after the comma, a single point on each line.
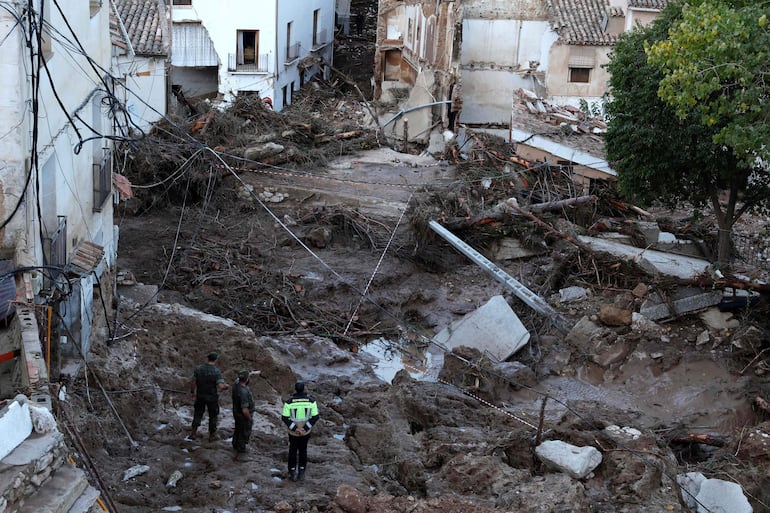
[532, 300]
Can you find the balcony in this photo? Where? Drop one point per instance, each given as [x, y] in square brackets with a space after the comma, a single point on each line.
[260, 64]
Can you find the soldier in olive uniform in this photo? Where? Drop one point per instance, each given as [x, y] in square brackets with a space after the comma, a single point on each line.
[204, 388]
[243, 411]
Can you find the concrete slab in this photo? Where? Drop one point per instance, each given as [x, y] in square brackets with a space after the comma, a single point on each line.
[493, 329]
[33, 448]
[86, 501]
[15, 426]
[657, 262]
[655, 311]
[512, 249]
[59, 493]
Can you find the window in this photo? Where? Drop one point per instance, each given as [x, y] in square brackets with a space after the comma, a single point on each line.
[582, 60]
[292, 49]
[248, 47]
[315, 27]
[580, 75]
[182, 2]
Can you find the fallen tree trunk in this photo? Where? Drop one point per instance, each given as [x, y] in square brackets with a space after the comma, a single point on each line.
[505, 209]
[699, 438]
[557, 205]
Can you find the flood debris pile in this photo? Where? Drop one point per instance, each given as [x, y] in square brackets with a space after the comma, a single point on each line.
[213, 141]
[650, 394]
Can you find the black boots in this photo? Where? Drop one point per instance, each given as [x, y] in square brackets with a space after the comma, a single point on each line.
[301, 474]
[293, 475]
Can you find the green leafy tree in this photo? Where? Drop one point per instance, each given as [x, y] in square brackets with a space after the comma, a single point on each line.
[664, 154]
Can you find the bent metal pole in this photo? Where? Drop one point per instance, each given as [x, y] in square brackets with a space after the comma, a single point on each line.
[532, 300]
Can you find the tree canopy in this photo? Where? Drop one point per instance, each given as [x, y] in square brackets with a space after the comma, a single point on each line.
[671, 147]
[716, 65]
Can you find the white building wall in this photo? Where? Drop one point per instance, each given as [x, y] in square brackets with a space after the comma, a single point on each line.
[224, 18]
[145, 87]
[62, 156]
[300, 14]
[495, 56]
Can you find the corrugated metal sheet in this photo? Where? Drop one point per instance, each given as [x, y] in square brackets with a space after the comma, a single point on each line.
[7, 289]
[191, 46]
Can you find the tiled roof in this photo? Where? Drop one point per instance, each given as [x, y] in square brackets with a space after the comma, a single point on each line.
[579, 22]
[144, 22]
[648, 4]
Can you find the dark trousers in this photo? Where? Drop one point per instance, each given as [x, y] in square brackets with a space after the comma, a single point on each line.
[201, 405]
[242, 432]
[298, 447]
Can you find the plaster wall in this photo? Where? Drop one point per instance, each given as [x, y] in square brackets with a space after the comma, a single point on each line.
[641, 17]
[145, 87]
[505, 9]
[68, 176]
[509, 47]
[562, 91]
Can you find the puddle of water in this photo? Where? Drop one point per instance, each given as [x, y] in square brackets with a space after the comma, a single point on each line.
[391, 357]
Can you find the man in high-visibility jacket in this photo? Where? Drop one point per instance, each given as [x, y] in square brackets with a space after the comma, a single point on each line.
[300, 414]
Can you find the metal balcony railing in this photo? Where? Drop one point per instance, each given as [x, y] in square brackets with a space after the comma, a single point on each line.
[102, 180]
[258, 65]
[55, 252]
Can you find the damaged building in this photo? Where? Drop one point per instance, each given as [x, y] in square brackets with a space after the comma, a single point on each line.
[439, 64]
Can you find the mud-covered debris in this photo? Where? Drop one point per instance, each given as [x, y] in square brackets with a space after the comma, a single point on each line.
[136, 470]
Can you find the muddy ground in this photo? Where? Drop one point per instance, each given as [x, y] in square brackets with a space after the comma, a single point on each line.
[268, 269]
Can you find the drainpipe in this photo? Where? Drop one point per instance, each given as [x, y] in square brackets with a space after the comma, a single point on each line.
[275, 82]
[404, 111]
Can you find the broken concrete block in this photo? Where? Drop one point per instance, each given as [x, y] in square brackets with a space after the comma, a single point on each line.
[493, 329]
[666, 237]
[656, 311]
[716, 495]
[650, 230]
[703, 338]
[656, 262]
[570, 294]
[511, 249]
[614, 354]
[717, 320]
[611, 315]
[576, 461]
[640, 290]
[642, 324]
[583, 331]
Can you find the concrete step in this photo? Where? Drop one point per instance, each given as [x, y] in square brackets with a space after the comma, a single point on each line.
[86, 503]
[59, 493]
[30, 463]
